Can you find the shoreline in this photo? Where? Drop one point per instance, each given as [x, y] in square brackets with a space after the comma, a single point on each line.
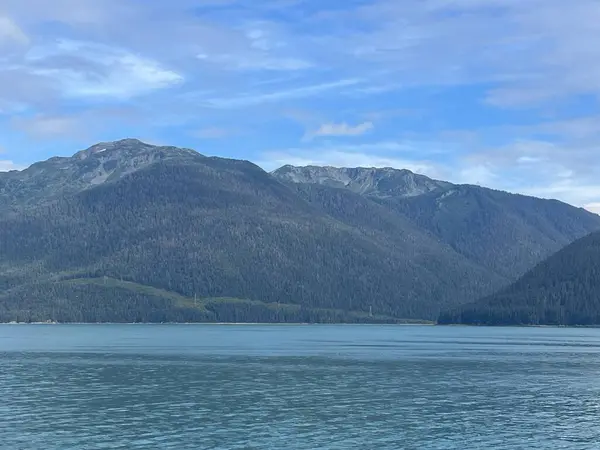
[407, 324]
[215, 323]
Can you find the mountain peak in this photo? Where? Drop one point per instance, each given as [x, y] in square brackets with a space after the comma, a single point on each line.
[131, 152]
[373, 181]
[98, 164]
[126, 145]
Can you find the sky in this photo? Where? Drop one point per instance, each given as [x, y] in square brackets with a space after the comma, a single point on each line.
[501, 93]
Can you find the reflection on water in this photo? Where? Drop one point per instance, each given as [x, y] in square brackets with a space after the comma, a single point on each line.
[298, 387]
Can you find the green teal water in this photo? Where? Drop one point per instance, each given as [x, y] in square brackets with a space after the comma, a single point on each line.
[298, 387]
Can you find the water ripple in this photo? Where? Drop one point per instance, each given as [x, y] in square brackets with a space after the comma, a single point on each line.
[397, 393]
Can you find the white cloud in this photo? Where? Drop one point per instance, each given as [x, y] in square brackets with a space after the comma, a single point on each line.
[480, 174]
[593, 207]
[344, 156]
[71, 12]
[343, 129]
[212, 133]
[537, 168]
[245, 100]
[519, 151]
[97, 70]
[531, 52]
[6, 165]
[528, 159]
[99, 123]
[572, 128]
[562, 50]
[256, 62]
[565, 171]
[48, 126]
[571, 190]
[260, 47]
[10, 32]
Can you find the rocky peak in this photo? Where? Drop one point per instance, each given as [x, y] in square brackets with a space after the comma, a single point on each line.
[123, 145]
[377, 182]
[130, 148]
[111, 160]
[100, 163]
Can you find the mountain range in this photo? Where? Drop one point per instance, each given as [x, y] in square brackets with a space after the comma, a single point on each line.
[128, 232]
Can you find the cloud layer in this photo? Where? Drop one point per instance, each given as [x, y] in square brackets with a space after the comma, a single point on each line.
[343, 129]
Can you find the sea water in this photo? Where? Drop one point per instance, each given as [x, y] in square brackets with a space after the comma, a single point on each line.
[298, 387]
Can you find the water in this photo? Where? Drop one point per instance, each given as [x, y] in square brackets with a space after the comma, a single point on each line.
[298, 387]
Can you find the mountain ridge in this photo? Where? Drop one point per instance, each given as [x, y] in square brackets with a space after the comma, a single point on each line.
[379, 182]
[176, 220]
[314, 174]
[462, 215]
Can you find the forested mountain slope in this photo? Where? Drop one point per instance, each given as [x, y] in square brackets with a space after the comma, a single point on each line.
[126, 231]
[562, 290]
[505, 233]
[213, 227]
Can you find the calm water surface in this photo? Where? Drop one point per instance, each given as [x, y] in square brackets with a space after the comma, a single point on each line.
[298, 387]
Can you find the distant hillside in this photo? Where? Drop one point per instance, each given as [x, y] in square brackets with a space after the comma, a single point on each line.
[126, 231]
[506, 234]
[562, 290]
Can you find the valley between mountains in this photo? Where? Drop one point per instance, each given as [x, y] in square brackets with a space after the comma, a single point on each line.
[129, 232]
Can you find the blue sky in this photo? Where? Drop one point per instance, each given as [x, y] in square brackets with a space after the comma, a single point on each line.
[503, 93]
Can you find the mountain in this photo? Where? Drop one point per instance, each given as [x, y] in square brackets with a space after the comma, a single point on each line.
[106, 161]
[130, 228]
[504, 233]
[562, 290]
[126, 231]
